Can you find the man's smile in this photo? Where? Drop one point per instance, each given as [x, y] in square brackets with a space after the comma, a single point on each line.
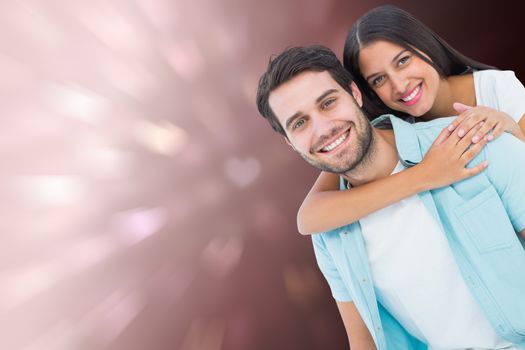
[335, 142]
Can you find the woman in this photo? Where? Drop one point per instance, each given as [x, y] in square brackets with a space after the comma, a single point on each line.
[405, 69]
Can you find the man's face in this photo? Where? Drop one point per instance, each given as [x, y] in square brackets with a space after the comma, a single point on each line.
[323, 122]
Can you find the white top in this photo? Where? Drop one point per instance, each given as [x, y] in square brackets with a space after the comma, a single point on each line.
[501, 90]
[418, 281]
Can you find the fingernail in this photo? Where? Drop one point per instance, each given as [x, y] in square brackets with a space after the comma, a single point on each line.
[475, 139]
[461, 133]
[486, 163]
[490, 138]
[481, 123]
[451, 127]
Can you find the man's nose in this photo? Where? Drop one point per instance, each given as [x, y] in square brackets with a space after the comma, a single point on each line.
[323, 124]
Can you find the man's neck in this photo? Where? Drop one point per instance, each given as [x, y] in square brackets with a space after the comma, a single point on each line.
[379, 162]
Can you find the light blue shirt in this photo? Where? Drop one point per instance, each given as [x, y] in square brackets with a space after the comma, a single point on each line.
[480, 217]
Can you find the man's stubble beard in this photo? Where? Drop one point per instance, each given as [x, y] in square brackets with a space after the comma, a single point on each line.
[364, 153]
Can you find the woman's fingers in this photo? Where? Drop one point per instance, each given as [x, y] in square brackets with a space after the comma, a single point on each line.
[460, 107]
[471, 120]
[457, 121]
[485, 130]
[464, 142]
[473, 151]
[463, 113]
[443, 135]
[476, 169]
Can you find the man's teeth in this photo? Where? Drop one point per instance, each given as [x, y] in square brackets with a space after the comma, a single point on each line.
[335, 143]
[412, 95]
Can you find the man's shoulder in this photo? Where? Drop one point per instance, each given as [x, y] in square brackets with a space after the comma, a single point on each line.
[414, 139]
[503, 152]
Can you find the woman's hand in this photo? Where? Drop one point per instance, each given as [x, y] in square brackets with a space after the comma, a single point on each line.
[447, 158]
[493, 122]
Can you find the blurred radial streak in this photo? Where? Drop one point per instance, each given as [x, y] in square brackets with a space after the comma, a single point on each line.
[62, 336]
[110, 25]
[30, 21]
[161, 13]
[132, 78]
[50, 191]
[86, 252]
[167, 139]
[78, 102]
[106, 321]
[104, 162]
[119, 316]
[138, 224]
[15, 74]
[185, 57]
[168, 286]
[204, 335]
[24, 282]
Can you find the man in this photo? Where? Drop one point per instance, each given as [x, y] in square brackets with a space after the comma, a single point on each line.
[441, 270]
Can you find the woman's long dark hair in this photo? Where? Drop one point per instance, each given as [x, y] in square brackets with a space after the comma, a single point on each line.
[392, 24]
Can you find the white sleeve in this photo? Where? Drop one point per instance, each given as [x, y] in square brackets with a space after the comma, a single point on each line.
[510, 94]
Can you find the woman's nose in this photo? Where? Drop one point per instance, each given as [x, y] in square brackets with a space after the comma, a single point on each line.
[399, 84]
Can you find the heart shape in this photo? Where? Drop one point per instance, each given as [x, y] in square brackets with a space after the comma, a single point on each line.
[242, 172]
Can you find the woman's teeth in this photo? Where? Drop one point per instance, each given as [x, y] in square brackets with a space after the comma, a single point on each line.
[335, 143]
[412, 95]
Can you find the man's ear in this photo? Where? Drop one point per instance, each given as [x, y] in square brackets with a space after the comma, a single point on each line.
[289, 143]
[356, 93]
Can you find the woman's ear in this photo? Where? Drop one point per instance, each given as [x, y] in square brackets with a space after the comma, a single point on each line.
[356, 93]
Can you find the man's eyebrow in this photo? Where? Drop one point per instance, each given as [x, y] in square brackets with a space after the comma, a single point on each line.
[326, 93]
[290, 120]
[393, 60]
[296, 115]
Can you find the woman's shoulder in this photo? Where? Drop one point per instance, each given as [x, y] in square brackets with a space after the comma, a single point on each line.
[490, 84]
[491, 76]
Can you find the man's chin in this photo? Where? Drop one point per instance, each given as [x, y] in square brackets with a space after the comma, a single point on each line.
[331, 168]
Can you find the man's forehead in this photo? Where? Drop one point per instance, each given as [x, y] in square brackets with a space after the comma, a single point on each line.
[300, 91]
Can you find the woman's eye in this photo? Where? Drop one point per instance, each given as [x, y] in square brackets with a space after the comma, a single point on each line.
[403, 60]
[298, 124]
[378, 80]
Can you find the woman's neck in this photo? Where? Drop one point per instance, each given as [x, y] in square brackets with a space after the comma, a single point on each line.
[456, 88]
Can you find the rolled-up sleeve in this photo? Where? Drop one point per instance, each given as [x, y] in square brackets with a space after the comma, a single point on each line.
[329, 270]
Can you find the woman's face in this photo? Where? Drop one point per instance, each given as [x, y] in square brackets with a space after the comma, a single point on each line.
[401, 79]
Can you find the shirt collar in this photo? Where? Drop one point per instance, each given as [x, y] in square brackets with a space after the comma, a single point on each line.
[407, 142]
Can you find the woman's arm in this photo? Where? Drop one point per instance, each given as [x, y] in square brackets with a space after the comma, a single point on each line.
[521, 123]
[325, 207]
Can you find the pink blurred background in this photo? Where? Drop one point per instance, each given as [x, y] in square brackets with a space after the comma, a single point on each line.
[145, 204]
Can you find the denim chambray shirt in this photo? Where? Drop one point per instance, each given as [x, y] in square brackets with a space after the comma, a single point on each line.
[480, 217]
